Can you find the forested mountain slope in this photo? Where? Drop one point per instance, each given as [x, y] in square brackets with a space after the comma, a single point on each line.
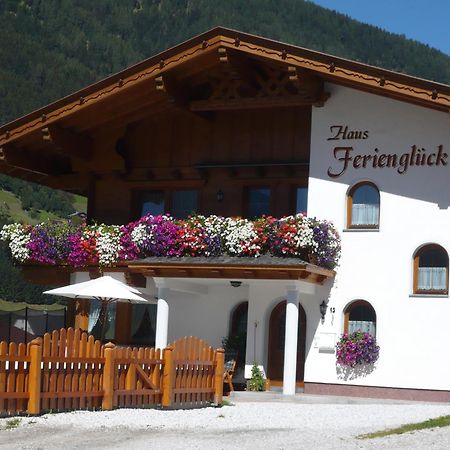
[50, 48]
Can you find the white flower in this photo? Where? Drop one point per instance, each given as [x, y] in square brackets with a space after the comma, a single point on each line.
[108, 244]
[240, 237]
[18, 238]
[139, 234]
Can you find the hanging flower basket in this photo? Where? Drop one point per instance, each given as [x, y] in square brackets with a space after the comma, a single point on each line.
[356, 348]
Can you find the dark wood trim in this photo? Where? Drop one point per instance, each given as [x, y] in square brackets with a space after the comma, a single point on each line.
[67, 142]
[251, 103]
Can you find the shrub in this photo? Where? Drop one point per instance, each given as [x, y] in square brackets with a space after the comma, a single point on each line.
[257, 382]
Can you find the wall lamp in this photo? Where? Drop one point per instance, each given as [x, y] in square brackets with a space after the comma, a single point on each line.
[323, 309]
[220, 195]
[235, 283]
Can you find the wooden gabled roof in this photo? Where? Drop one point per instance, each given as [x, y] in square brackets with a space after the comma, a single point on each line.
[199, 75]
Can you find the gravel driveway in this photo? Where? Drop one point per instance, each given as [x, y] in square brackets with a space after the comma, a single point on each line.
[245, 425]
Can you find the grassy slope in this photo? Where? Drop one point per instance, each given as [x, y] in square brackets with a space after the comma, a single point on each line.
[18, 214]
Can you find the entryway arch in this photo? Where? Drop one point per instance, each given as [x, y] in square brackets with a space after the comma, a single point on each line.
[277, 325]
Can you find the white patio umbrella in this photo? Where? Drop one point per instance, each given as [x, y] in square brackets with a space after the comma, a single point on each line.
[105, 289]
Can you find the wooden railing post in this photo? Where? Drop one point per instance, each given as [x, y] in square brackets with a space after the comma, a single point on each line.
[108, 377]
[34, 377]
[168, 377]
[218, 376]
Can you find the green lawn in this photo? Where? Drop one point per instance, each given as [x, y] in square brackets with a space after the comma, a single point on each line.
[13, 207]
[443, 421]
[80, 203]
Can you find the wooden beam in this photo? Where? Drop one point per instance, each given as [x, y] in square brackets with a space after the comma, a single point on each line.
[70, 182]
[171, 88]
[177, 94]
[238, 69]
[67, 142]
[309, 85]
[249, 103]
[47, 275]
[32, 162]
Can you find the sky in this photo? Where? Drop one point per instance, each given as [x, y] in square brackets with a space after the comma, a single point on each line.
[427, 21]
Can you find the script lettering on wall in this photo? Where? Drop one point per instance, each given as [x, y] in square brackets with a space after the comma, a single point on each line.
[345, 155]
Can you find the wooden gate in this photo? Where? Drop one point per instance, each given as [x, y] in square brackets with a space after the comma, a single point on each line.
[198, 371]
[137, 377]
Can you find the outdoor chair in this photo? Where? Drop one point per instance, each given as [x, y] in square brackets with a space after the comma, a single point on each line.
[229, 368]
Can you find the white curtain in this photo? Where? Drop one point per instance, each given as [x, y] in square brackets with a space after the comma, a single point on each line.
[361, 325]
[432, 278]
[365, 214]
[94, 314]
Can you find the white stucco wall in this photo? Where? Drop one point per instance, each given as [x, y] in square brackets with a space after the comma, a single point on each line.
[413, 332]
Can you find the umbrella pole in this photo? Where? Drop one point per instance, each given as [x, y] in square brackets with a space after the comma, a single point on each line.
[103, 317]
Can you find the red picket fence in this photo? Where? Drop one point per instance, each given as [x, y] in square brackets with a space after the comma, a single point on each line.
[69, 370]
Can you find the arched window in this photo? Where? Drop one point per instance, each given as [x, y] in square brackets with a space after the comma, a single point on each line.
[431, 270]
[363, 206]
[360, 315]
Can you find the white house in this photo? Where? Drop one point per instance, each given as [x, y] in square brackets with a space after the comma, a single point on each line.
[232, 124]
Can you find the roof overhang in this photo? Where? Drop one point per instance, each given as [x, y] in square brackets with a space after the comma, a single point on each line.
[263, 268]
[229, 268]
[56, 140]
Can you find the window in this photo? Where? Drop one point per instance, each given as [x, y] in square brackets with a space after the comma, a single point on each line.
[258, 202]
[301, 200]
[363, 206]
[152, 202]
[360, 316]
[143, 324]
[178, 204]
[431, 270]
[184, 203]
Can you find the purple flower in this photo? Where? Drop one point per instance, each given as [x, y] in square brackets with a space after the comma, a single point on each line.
[356, 348]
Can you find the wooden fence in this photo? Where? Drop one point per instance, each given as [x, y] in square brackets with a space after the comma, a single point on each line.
[69, 370]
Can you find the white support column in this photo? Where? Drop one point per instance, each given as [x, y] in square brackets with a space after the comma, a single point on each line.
[162, 318]
[290, 342]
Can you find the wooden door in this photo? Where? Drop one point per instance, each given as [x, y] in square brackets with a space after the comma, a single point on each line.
[277, 326]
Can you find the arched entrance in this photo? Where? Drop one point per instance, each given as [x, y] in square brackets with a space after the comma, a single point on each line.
[277, 326]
